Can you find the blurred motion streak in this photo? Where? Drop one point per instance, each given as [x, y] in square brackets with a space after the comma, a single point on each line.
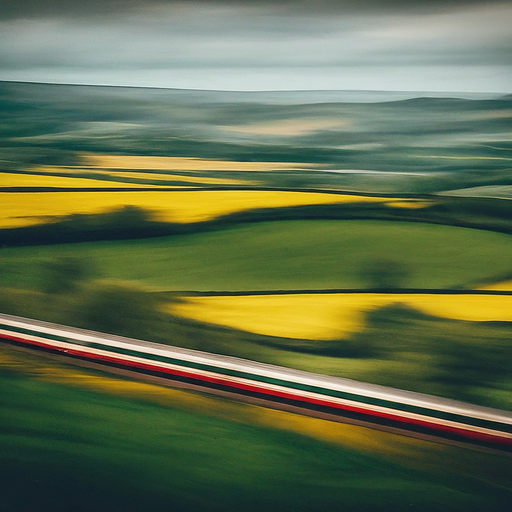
[385, 407]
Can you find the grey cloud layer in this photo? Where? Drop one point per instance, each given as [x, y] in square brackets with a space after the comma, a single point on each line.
[19, 9]
[216, 40]
[268, 43]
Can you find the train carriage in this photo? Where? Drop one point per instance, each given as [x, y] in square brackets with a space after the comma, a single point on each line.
[333, 397]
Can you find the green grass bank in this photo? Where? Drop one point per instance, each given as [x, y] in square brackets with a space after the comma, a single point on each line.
[306, 254]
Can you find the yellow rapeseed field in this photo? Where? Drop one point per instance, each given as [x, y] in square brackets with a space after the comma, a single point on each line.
[502, 286]
[23, 208]
[173, 163]
[332, 316]
[38, 180]
[473, 308]
[303, 316]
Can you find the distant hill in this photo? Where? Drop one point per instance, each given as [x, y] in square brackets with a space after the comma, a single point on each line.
[279, 97]
[377, 141]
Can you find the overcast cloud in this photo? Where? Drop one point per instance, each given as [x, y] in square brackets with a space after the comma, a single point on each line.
[16, 9]
[261, 45]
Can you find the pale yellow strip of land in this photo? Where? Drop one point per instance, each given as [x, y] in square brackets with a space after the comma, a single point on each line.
[287, 127]
[23, 209]
[332, 316]
[413, 203]
[173, 163]
[142, 175]
[38, 180]
[178, 177]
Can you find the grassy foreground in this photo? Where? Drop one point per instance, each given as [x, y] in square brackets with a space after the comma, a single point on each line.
[308, 254]
[66, 447]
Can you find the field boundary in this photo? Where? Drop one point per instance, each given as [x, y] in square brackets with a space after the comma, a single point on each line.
[328, 291]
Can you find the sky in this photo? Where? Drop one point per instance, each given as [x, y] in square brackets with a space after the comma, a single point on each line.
[425, 45]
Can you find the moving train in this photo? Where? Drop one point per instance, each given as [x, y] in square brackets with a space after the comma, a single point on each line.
[320, 395]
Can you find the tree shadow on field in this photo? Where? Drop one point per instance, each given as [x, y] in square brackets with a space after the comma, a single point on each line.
[384, 274]
[452, 358]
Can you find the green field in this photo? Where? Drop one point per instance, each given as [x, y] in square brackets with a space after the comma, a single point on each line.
[305, 254]
[81, 450]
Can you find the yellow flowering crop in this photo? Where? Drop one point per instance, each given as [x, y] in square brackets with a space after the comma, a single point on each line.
[473, 308]
[173, 163]
[22, 209]
[304, 316]
[332, 316]
[503, 286]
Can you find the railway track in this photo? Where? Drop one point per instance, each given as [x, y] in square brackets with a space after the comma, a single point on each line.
[318, 395]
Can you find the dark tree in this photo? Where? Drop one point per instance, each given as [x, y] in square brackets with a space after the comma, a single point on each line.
[66, 274]
[384, 274]
[118, 309]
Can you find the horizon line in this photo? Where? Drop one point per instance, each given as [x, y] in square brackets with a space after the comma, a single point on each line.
[252, 91]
